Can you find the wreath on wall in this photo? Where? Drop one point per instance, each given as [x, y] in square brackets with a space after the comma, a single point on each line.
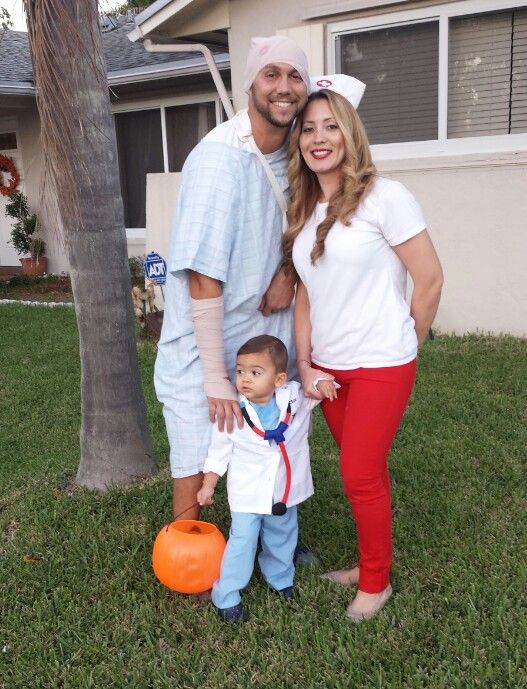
[8, 165]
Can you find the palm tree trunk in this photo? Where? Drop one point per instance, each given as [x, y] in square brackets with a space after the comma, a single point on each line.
[81, 168]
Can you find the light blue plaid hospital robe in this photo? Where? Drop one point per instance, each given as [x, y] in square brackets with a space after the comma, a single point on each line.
[228, 225]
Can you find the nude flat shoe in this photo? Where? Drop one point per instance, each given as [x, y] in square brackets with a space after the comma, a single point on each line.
[343, 577]
[357, 616]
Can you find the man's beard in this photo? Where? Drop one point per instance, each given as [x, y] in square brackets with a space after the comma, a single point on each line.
[265, 111]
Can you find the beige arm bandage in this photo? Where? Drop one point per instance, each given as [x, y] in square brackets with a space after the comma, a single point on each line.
[207, 318]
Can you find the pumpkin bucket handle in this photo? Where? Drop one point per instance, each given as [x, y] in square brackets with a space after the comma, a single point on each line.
[179, 515]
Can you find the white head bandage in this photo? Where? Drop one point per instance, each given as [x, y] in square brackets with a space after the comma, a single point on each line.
[352, 89]
[270, 50]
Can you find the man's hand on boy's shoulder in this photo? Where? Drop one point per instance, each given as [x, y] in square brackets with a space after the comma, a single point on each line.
[225, 412]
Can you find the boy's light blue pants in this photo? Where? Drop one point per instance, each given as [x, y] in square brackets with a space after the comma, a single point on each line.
[278, 535]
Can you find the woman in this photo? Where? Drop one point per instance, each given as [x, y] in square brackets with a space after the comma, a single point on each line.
[352, 238]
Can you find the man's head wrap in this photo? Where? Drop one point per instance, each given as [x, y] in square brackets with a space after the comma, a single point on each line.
[270, 50]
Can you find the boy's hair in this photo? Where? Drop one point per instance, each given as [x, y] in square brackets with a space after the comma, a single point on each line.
[272, 345]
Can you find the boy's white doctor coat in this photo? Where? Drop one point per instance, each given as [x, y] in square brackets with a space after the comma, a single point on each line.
[256, 470]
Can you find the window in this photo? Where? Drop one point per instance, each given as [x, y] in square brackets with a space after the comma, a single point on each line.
[399, 67]
[452, 77]
[140, 151]
[8, 141]
[487, 74]
[186, 125]
[156, 140]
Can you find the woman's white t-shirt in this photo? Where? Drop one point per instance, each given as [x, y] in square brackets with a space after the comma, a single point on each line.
[357, 288]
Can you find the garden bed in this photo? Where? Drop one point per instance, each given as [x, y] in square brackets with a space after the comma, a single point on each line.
[55, 288]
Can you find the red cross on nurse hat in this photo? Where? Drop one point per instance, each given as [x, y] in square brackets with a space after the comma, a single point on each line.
[352, 89]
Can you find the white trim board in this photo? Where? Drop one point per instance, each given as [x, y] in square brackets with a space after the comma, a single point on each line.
[167, 101]
[316, 9]
[446, 9]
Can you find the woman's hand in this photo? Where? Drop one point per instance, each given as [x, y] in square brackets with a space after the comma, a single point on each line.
[309, 375]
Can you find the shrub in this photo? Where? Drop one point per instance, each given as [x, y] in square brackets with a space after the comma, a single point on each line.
[136, 266]
[24, 227]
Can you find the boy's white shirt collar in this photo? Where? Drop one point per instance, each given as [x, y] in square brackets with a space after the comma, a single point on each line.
[283, 395]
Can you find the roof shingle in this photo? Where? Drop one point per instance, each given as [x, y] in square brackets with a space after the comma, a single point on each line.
[15, 62]
[119, 52]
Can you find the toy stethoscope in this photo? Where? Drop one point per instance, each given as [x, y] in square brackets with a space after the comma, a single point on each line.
[276, 434]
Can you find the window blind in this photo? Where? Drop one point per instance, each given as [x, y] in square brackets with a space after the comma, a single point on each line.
[140, 150]
[399, 66]
[8, 141]
[487, 74]
[186, 125]
[519, 73]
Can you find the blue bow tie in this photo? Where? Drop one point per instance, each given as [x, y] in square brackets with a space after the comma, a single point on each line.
[277, 434]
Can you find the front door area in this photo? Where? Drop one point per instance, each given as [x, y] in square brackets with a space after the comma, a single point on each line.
[8, 147]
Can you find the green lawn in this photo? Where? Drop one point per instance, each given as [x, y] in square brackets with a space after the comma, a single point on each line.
[79, 606]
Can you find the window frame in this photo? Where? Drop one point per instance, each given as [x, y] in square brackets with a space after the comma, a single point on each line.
[138, 233]
[10, 124]
[442, 146]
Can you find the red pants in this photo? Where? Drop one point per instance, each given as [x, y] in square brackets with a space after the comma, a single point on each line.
[363, 421]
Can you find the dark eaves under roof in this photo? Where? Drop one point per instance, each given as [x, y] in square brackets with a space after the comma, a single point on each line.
[126, 62]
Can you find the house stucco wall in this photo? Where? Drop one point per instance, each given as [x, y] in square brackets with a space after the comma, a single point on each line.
[161, 196]
[476, 213]
[49, 219]
[28, 130]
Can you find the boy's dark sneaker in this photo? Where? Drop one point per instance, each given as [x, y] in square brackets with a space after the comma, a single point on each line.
[304, 556]
[288, 593]
[235, 614]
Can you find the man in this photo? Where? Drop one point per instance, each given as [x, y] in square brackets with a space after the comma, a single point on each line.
[225, 284]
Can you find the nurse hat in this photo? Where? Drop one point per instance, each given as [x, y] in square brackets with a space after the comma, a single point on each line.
[352, 89]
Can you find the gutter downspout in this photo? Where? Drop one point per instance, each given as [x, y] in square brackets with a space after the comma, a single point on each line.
[152, 47]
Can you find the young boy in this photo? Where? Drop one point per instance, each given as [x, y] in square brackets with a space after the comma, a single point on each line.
[268, 473]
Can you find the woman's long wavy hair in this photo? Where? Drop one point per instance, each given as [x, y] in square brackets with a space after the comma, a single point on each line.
[358, 172]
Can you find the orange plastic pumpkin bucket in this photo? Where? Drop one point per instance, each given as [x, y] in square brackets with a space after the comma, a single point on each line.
[187, 555]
